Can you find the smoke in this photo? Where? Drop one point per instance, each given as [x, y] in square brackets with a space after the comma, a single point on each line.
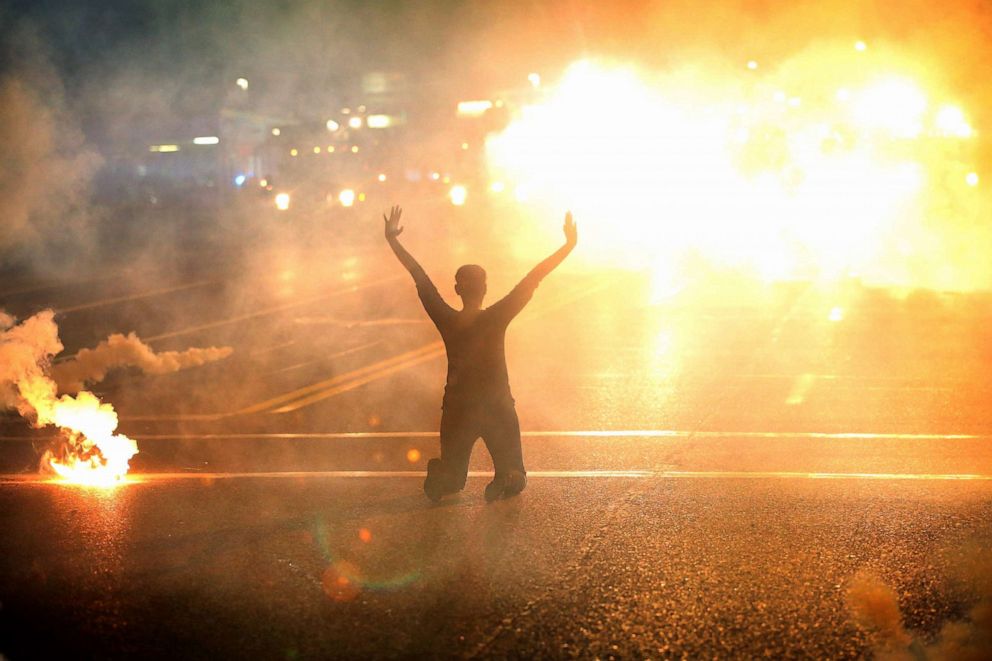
[91, 365]
[25, 351]
[89, 451]
[47, 165]
[875, 606]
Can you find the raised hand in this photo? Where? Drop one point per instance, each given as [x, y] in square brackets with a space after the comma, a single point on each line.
[571, 233]
[393, 228]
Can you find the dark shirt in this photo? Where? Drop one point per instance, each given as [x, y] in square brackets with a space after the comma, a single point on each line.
[474, 342]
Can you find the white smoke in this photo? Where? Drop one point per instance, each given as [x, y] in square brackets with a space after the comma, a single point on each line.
[91, 365]
[875, 606]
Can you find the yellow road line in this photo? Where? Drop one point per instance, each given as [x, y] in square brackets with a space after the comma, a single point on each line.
[342, 378]
[357, 378]
[437, 352]
[270, 310]
[315, 392]
[135, 297]
[339, 354]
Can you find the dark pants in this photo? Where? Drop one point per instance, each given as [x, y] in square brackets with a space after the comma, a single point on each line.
[497, 424]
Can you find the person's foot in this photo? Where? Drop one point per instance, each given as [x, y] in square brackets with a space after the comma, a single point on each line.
[505, 485]
[437, 485]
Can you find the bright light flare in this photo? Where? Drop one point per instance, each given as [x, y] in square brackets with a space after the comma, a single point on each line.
[206, 140]
[347, 197]
[951, 122]
[894, 105]
[458, 195]
[695, 167]
[379, 121]
[282, 201]
[474, 108]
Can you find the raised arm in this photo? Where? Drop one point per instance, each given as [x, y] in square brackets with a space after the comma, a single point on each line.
[392, 231]
[538, 273]
[511, 304]
[435, 306]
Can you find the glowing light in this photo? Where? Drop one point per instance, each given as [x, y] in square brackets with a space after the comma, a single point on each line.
[435, 176]
[365, 535]
[971, 179]
[332, 125]
[206, 140]
[894, 105]
[240, 180]
[242, 83]
[752, 65]
[474, 108]
[354, 149]
[282, 201]
[458, 194]
[381, 177]
[836, 314]
[163, 148]
[355, 122]
[816, 195]
[379, 121]
[951, 122]
[464, 145]
[293, 152]
[413, 455]
[361, 197]
[263, 183]
[534, 79]
[843, 95]
[860, 46]
[330, 149]
[346, 197]
[497, 187]
[276, 131]
[316, 149]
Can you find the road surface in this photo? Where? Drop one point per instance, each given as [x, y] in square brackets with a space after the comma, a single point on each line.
[708, 472]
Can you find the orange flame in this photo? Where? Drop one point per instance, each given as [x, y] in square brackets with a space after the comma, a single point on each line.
[91, 453]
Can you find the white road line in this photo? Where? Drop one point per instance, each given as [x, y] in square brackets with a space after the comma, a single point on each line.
[135, 297]
[559, 474]
[613, 433]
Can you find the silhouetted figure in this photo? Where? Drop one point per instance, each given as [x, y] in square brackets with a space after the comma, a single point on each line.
[477, 400]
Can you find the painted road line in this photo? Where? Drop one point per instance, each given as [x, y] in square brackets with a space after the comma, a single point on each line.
[339, 354]
[578, 434]
[546, 474]
[361, 380]
[426, 349]
[270, 310]
[134, 297]
[386, 368]
[336, 385]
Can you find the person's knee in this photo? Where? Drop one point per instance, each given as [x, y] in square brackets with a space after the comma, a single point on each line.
[443, 479]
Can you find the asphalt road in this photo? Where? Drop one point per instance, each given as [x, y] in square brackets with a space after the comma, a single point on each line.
[710, 471]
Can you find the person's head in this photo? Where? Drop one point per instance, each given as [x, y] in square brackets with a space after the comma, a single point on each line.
[470, 284]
